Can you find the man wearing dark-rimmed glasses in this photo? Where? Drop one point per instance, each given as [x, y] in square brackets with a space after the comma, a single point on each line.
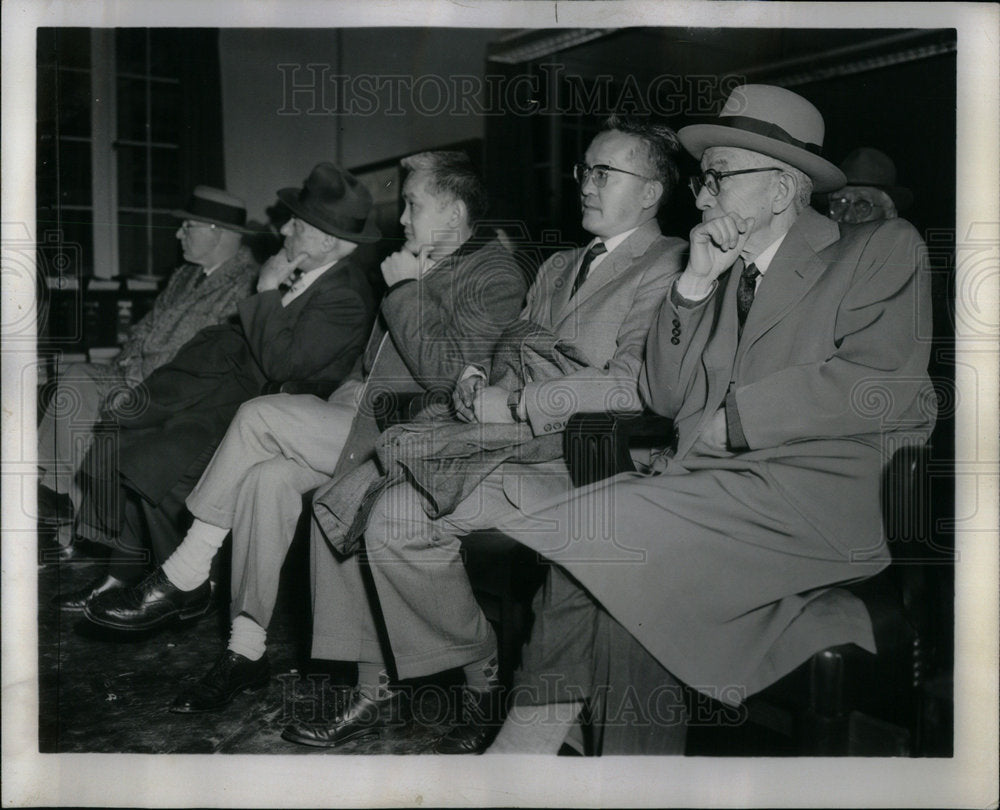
[767, 354]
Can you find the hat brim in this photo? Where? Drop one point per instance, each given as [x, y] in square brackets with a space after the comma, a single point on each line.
[182, 214]
[370, 233]
[699, 137]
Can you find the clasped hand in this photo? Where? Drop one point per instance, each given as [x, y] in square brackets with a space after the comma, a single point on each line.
[276, 269]
[715, 246]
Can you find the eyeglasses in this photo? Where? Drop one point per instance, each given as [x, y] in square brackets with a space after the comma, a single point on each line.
[859, 207]
[599, 173]
[189, 224]
[710, 178]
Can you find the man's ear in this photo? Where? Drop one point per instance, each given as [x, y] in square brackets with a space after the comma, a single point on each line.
[654, 190]
[458, 214]
[787, 189]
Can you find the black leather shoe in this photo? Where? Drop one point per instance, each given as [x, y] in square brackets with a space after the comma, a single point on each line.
[154, 602]
[361, 717]
[53, 507]
[78, 599]
[231, 674]
[481, 720]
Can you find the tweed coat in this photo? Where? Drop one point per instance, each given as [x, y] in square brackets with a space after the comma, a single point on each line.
[720, 563]
[186, 306]
[427, 332]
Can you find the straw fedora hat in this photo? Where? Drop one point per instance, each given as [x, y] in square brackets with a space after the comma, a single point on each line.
[774, 122]
[216, 207]
[334, 200]
[866, 166]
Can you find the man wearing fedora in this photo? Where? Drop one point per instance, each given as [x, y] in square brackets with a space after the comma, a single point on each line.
[789, 355]
[450, 295]
[218, 273]
[870, 192]
[307, 322]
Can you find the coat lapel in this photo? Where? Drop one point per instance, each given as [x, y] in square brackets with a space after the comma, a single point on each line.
[795, 268]
[608, 271]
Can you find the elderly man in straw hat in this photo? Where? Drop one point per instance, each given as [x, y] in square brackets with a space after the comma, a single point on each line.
[218, 273]
[788, 354]
[308, 321]
[871, 192]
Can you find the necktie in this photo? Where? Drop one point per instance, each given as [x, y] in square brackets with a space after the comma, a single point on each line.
[592, 253]
[202, 275]
[745, 293]
[290, 282]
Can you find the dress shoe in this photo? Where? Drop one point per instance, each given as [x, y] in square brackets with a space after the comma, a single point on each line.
[481, 720]
[154, 602]
[361, 717]
[54, 508]
[78, 599]
[231, 674]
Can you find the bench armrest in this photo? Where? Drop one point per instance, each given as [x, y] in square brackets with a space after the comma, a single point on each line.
[596, 445]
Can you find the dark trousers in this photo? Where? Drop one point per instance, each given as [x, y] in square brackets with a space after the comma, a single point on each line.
[577, 651]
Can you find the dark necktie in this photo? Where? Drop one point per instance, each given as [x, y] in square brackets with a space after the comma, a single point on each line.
[202, 275]
[745, 293]
[289, 282]
[592, 253]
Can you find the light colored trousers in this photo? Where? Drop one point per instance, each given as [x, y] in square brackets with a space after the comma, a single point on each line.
[66, 431]
[431, 616]
[276, 449]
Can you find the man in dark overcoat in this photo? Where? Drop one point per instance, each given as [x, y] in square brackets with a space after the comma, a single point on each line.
[308, 321]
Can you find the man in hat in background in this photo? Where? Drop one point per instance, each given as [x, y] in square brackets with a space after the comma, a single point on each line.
[450, 295]
[307, 322]
[870, 192]
[218, 273]
[789, 356]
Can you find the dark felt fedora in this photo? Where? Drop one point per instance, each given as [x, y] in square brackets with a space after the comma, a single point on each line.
[866, 166]
[773, 121]
[217, 207]
[335, 201]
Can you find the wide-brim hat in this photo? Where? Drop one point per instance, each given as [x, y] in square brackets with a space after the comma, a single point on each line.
[773, 121]
[216, 207]
[866, 166]
[335, 201]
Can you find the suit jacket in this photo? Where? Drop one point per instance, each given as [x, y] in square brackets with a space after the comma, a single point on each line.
[428, 331]
[737, 549]
[187, 404]
[187, 305]
[607, 321]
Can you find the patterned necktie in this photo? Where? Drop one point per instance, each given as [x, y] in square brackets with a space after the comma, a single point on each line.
[291, 281]
[202, 275]
[592, 253]
[745, 293]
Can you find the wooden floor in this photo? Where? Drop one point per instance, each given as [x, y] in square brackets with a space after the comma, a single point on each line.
[106, 692]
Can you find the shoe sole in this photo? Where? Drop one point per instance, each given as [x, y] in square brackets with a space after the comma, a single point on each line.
[243, 690]
[163, 621]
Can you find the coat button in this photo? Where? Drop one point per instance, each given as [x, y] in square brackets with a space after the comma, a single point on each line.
[676, 322]
[675, 341]
[675, 332]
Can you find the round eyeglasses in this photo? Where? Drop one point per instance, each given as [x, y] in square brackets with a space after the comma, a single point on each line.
[709, 179]
[599, 173]
[861, 208]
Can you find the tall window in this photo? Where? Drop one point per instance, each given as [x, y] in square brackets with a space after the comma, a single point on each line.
[129, 120]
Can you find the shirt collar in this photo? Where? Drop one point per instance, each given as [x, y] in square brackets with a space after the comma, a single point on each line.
[614, 241]
[763, 260]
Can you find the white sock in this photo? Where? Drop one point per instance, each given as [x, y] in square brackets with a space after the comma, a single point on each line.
[191, 562]
[536, 729]
[248, 638]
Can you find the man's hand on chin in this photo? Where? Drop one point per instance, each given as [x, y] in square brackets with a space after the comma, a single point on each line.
[276, 269]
